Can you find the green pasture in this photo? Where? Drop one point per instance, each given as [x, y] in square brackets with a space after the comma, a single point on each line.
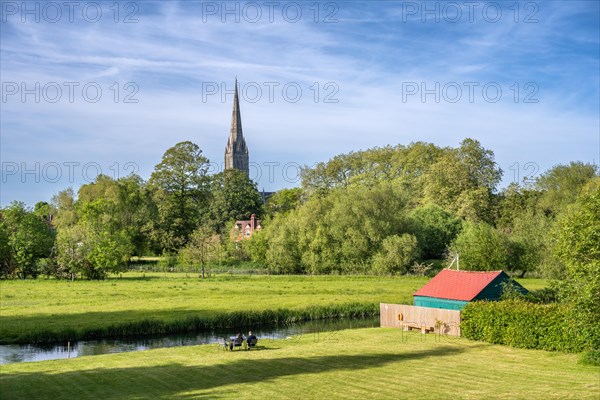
[373, 363]
[30, 306]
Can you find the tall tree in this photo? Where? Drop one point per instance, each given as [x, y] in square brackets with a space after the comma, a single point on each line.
[578, 246]
[463, 181]
[180, 186]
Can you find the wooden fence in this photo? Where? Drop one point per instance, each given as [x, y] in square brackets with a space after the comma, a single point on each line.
[426, 319]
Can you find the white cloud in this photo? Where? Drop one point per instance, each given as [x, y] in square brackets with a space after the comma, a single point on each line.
[171, 52]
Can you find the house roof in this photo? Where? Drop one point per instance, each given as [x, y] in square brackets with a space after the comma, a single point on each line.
[458, 285]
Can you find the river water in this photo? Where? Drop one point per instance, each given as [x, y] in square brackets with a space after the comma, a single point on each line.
[317, 329]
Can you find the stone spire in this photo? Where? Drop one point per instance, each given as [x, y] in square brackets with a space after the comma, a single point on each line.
[236, 151]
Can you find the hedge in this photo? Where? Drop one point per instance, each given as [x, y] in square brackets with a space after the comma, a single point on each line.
[519, 323]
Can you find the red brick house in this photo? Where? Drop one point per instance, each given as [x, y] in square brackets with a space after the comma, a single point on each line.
[244, 229]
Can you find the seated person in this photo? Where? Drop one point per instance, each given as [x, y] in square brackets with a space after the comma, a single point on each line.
[237, 341]
[251, 339]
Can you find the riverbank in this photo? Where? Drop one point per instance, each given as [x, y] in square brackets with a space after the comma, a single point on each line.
[46, 311]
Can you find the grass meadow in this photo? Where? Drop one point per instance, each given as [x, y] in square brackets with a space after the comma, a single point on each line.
[375, 363]
[53, 310]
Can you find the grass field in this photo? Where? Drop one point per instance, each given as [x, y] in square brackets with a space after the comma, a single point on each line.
[31, 306]
[352, 364]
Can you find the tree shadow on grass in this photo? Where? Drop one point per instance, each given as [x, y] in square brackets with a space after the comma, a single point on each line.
[176, 380]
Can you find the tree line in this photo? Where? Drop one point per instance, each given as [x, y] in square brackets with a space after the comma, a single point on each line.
[397, 209]
[98, 229]
[390, 210]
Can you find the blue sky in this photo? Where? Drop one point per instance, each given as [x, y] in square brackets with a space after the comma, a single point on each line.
[522, 79]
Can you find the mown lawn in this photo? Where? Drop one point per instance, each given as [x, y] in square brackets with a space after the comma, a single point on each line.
[51, 305]
[372, 363]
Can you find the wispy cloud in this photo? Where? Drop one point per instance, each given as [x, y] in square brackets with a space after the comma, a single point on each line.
[370, 55]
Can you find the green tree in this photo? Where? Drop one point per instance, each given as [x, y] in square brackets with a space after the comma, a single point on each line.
[30, 239]
[64, 204]
[562, 184]
[578, 247]
[463, 181]
[44, 210]
[338, 232]
[72, 249]
[115, 206]
[81, 249]
[233, 197]
[283, 201]
[109, 253]
[202, 248]
[397, 253]
[435, 229]
[180, 186]
[482, 248]
[515, 201]
[257, 247]
[7, 265]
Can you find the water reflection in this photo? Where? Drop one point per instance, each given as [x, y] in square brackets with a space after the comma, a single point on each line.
[25, 353]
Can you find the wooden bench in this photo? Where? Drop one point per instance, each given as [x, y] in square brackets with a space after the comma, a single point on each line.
[407, 326]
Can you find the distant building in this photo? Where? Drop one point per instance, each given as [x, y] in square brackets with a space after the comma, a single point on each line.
[266, 195]
[452, 289]
[243, 230]
[236, 151]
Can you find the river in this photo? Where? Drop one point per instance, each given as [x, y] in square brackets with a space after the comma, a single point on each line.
[320, 330]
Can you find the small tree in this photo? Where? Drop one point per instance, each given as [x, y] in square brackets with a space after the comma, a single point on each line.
[202, 248]
[29, 238]
[80, 250]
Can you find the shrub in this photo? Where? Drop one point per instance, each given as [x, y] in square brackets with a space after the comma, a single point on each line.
[591, 357]
[519, 323]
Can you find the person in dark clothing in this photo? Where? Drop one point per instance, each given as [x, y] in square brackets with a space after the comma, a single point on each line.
[251, 339]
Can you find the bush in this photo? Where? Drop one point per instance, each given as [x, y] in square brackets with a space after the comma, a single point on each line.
[519, 323]
[591, 357]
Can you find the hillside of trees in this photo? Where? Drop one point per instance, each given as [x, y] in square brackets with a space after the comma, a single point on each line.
[390, 210]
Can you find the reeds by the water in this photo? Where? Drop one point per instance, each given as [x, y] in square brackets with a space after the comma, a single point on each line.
[232, 320]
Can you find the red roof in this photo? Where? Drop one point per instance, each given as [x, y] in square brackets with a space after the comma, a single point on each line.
[457, 285]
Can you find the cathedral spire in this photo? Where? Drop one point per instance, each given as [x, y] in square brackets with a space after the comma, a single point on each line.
[236, 151]
[236, 118]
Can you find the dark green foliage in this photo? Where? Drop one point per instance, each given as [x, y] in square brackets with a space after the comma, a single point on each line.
[435, 229]
[546, 295]
[233, 196]
[180, 188]
[519, 323]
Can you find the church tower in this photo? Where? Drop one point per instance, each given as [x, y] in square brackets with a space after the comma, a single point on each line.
[236, 151]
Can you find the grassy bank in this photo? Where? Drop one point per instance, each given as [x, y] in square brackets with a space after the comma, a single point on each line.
[50, 310]
[366, 363]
